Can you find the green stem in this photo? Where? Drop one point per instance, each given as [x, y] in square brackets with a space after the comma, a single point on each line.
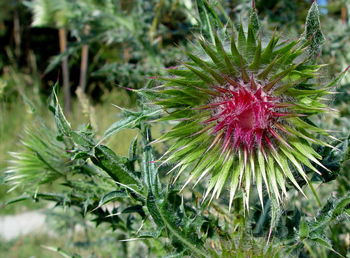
[152, 182]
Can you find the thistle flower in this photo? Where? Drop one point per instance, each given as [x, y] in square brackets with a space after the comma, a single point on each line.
[243, 114]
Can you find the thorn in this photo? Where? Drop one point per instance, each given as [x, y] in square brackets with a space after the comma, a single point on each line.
[174, 168]
[284, 105]
[203, 175]
[126, 88]
[114, 105]
[201, 131]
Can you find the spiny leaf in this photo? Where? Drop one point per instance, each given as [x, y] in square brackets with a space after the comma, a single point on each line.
[111, 196]
[62, 123]
[313, 31]
[114, 165]
[131, 120]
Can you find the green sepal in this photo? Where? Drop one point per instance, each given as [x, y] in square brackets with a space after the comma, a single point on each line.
[257, 57]
[204, 65]
[213, 55]
[235, 53]
[220, 49]
[242, 41]
[267, 54]
[251, 43]
[201, 75]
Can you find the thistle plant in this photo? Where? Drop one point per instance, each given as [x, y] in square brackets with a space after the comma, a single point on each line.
[243, 107]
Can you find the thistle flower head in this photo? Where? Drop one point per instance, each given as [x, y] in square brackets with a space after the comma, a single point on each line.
[242, 110]
[243, 115]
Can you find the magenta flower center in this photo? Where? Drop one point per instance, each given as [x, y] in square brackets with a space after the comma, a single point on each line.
[243, 116]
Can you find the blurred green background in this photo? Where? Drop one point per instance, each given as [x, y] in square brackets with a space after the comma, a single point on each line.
[98, 49]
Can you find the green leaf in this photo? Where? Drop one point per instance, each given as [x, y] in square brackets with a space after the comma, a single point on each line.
[82, 140]
[133, 150]
[135, 209]
[152, 205]
[62, 123]
[150, 171]
[111, 196]
[164, 217]
[132, 120]
[155, 203]
[341, 206]
[114, 165]
[151, 234]
[323, 242]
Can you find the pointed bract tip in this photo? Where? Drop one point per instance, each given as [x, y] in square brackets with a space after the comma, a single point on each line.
[126, 88]
[253, 4]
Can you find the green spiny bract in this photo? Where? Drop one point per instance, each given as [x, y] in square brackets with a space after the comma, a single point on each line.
[42, 160]
[242, 110]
